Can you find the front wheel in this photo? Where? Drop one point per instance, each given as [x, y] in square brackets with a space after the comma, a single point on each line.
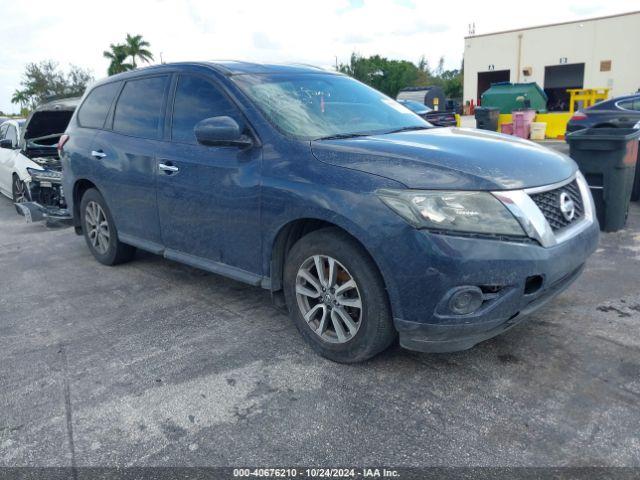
[100, 231]
[336, 297]
[20, 191]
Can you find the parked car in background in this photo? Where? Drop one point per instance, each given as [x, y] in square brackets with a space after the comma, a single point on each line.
[30, 169]
[620, 112]
[358, 215]
[438, 119]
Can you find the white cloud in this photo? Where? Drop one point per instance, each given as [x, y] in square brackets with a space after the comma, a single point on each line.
[280, 30]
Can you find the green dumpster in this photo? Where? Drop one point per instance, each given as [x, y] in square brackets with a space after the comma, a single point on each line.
[607, 158]
[508, 97]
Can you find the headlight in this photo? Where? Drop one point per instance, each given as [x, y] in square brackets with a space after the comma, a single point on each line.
[474, 212]
[44, 175]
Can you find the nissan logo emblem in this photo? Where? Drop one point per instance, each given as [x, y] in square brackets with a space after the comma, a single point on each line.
[567, 206]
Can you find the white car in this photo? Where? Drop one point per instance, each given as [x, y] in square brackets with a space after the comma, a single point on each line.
[30, 169]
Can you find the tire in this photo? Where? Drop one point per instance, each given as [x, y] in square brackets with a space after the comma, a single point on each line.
[368, 329]
[102, 242]
[19, 190]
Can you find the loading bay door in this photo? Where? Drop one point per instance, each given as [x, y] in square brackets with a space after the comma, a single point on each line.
[485, 79]
[557, 79]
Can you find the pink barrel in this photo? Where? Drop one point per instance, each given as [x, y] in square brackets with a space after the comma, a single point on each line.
[522, 122]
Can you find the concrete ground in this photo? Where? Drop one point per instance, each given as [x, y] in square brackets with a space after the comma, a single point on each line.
[155, 363]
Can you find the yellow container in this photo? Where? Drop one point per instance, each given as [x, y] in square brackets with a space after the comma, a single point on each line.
[538, 130]
[504, 118]
[556, 123]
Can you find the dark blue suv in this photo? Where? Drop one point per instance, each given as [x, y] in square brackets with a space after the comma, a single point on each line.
[361, 218]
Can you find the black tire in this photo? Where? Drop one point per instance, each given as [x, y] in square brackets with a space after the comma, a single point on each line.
[113, 251]
[16, 186]
[376, 331]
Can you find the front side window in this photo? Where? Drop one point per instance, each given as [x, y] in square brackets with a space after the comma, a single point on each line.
[95, 108]
[195, 100]
[139, 110]
[311, 106]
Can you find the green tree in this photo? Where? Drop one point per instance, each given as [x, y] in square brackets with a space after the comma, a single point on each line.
[137, 48]
[20, 97]
[44, 81]
[117, 54]
[389, 76]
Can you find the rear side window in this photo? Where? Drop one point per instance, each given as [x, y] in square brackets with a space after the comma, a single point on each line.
[195, 100]
[139, 111]
[95, 108]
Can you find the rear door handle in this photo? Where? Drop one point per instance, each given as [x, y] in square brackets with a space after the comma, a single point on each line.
[98, 154]
[168, 168]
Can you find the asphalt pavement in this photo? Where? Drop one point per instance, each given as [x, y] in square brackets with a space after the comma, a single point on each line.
[156, 363]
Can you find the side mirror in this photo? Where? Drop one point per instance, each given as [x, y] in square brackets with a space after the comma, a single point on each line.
[220, 131]
[6, 143]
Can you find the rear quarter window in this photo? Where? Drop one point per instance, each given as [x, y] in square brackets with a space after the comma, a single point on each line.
[140, 108]
[95, 108]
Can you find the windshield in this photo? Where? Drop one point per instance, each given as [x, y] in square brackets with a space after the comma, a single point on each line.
[314, 106]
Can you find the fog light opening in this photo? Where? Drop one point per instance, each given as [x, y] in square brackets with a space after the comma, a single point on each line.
[533, 284]
[466, 300]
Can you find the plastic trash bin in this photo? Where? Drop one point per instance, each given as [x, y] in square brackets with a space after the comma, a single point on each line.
[538, 130]
[487, 118]
[607, 157]
[522, 120]
[507, 128]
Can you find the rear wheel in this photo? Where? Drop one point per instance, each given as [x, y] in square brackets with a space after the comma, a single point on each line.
[100, 231]
[19, 190]
[336, 297]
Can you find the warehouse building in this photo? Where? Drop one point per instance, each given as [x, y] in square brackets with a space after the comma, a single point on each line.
[593, 53]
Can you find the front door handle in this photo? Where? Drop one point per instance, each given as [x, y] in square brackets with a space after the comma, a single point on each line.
[168, 168]
[98, 154]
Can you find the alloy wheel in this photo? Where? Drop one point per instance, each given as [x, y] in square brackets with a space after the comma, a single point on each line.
[329, 299]
[19, 191]
[97, 227]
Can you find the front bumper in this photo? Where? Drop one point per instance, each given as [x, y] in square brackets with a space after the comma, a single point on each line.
[34, 212]
[506, 266]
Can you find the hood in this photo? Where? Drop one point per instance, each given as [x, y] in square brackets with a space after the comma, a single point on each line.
[449, 158]
[50, 119]
[46, 123]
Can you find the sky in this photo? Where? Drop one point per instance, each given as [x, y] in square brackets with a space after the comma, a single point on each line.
[309, 31]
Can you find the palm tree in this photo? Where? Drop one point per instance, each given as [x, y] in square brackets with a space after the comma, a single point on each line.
[20, 98]
[118, 54]
[137, 47]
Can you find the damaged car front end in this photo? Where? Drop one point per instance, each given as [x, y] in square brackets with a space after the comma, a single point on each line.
[44, 195]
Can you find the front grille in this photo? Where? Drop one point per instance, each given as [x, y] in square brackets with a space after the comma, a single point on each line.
[549, 203]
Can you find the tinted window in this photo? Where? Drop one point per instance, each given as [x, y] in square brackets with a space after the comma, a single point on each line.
[195, 100]
[139, 108]
[94, 109]
[3, 130]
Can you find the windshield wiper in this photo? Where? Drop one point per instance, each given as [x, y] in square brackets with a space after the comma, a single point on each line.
[407, 129]
[339, 136]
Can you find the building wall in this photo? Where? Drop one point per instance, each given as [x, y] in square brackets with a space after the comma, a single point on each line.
[589, 42]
